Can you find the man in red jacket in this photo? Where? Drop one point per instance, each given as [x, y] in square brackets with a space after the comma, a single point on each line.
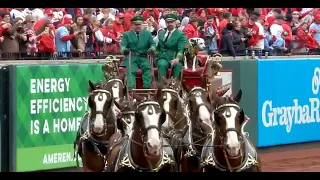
[191, 30]
[118, 29]
[253, 30]
[128, 15]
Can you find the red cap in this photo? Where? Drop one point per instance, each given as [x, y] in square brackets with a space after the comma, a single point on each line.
[313, 31]
[317, 17]
[48, 11]
[120, 15]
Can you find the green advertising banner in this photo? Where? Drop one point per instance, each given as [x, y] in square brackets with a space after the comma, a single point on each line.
[48, 102]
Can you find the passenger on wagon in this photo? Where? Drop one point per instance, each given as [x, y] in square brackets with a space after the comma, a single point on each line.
[170, 48]
[140, 43]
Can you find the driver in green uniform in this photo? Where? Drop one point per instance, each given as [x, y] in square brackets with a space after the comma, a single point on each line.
[170, 48]
[139, 43]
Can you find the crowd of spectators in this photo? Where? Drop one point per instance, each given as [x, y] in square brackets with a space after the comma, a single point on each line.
[49, 33]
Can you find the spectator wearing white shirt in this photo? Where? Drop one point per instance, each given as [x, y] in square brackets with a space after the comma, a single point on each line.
[260, 44]
[316, 26]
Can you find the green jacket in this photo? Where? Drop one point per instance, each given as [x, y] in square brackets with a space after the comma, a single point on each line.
[138, 47]
[174, 46]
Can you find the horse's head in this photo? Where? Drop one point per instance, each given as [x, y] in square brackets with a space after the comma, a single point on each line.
[168, 95]
[199, 104]
[149, 119]
[116, 86]
[99, 101]
[197, 43]
[229, 117]
[128, 110]
[114, 81]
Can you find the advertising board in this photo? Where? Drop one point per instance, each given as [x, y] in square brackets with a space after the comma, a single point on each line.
[288, 101]
[49, 102]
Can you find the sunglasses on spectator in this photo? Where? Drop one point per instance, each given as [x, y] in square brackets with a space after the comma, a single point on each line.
[32, 21]
[295, 14]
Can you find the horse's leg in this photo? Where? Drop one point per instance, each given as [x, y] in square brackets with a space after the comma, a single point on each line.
[91, 161]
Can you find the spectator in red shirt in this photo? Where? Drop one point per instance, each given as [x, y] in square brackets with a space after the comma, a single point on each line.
[253, 30]
[108, 31]
[306, 39]
[191, 30]
[118, 26]
[227, 17]
[154, 12]
[128, 15]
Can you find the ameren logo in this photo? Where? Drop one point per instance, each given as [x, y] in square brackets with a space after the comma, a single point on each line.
[295, 114]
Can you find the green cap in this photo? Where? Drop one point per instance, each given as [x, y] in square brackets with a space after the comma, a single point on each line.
[137, 20]
[170, 17]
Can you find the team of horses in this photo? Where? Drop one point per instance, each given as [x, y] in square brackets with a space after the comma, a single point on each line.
[170, 128]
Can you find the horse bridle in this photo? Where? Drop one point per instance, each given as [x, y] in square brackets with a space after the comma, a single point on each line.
[105, 126]
[222, 136]
[144, 130]
[197, 94]
[179, 100]
[115, 80]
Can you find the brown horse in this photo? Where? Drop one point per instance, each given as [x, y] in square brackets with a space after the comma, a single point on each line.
[97, 127]
[145, 149]
[200, 127]
[176, 124]
[229, 149]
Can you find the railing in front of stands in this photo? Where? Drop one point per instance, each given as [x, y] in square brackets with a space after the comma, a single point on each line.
[54, 56]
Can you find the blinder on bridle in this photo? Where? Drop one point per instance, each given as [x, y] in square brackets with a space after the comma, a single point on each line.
[197, 92]
[92, 95]
[172, 92]
[228, 114]
[115, 85]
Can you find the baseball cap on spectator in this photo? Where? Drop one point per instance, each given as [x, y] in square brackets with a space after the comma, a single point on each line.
[137, 20]
[317, 17]
[48, 11]
[313, 31]
[120, 15]
[67, 19]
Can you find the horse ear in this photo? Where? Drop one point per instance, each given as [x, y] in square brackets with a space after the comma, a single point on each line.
[138, 97]
[164, 80]
[215, 99]
[92, 87]
[119, 105]
[185, 87]
[242, 116]
[237, 97]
